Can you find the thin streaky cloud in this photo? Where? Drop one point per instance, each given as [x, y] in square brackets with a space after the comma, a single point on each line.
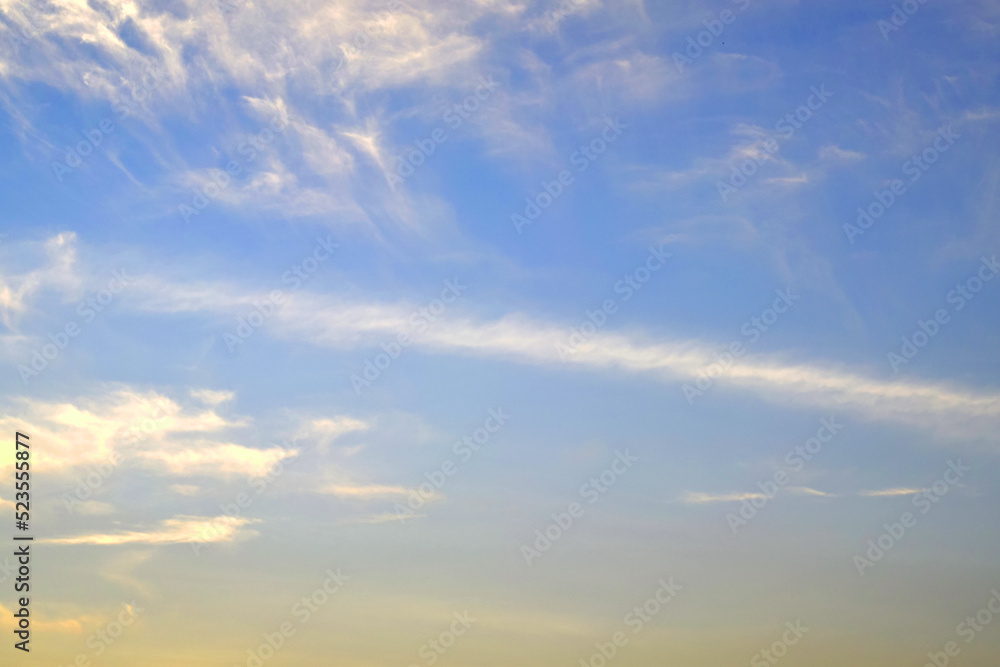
[328, 321]
[699, 498]
[179, 530]
[896, 491]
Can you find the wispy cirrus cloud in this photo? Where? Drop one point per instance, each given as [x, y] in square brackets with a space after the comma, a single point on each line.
[895, 491]
[700, 498]
[335, 322]
[385, 517]
[59, 272]
[329, 321]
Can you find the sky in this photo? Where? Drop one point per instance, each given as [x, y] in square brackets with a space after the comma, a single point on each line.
[486, 333]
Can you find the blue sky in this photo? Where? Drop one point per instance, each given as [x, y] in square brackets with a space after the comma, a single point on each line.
[220, 279]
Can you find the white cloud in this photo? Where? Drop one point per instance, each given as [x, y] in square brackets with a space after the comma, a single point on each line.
[699, 498]
[212, 398]
[385, 517]
[93, 508]
[328, 429]
[835, 153]
[122, 424]
[219, 459]
[328, 321]
[366, 492]
[59, 272]
[800, 179]
[179, 530]
[897, 491]
[807, 491]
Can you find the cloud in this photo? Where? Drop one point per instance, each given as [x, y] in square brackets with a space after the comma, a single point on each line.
[124, 426]
[731, 229]
[628, 77]
[262, 55]
[335, 322]
[898, 491]
[220, 459]
[179, 530]
[59, 272]
[699, 498]
[73, 626]
[807, 491]
[114, 424]
[837, 154]
[328, 429]
[212, 398]
[386, 517]
[369, 492]
[751, 145]
[330, 321]
[93, 508]
[800, 179]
